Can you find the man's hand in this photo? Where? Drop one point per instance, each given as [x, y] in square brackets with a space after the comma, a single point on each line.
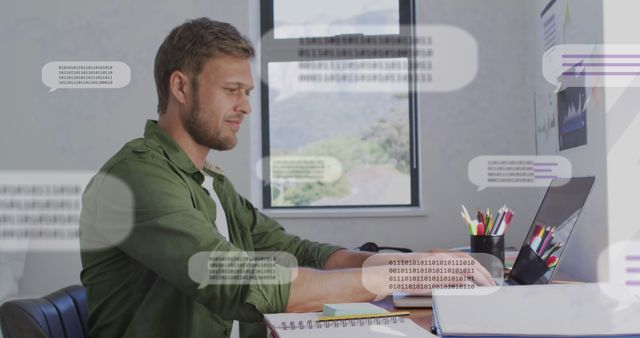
[381, 275]
[419, 273]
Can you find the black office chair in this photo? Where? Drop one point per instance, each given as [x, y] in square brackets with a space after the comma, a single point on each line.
[61, 314]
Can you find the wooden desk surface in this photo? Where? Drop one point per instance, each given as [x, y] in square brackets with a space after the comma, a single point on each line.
[421, 316]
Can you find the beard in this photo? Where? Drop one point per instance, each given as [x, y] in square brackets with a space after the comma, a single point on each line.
[205, 131]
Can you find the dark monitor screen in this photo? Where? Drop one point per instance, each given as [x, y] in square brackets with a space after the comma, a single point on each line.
[559, 210]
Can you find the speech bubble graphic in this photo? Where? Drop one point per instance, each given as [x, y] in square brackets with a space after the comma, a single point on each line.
[591, 65]
[242, 268]
[517, 170]
[111, 212]
[441, 59]
[622, 262]
[420, 273]
[301, 169]
[85, 74]
[40, 210]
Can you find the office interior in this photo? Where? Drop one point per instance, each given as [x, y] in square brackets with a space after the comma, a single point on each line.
[494, 114]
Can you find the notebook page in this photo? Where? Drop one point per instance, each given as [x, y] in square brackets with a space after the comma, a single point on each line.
[303, 325]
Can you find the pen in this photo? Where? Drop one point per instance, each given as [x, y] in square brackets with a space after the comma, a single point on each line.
[546, 241]
[536, 243]
[508, 221]
[498, 221]
[480, 217]
[543, 237]
[552, 250]
[504, 222]
[480, 229]
[535, 233]
[376, 315]
[466, 213]
[468, 221]
[486, 223]
[538, 235]
[490, 225]
[487, 218]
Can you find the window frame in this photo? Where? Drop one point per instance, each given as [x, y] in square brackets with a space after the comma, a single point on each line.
[407, 29]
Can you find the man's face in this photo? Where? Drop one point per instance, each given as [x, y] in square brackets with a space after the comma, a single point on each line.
[219, 102]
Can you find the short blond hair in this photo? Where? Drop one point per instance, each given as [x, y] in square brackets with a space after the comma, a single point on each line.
[189, 45]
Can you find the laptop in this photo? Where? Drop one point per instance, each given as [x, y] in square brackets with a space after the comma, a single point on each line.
[561, 208]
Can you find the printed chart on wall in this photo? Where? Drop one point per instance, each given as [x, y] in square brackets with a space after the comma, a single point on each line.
[560, 106]
[572, 109]
[553, 18]
[546, 123]
[551, 26]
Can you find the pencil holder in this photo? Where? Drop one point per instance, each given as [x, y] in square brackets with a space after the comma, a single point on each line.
[492, 245]
[528, 267]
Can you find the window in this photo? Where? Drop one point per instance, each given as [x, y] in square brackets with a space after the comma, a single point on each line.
[338, 104]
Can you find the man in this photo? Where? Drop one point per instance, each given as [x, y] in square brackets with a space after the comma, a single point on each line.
[146, 213]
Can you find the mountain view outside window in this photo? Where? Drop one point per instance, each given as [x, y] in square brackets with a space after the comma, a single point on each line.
[360, 130]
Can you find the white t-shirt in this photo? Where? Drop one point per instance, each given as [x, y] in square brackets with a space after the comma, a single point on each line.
[221, 218]
[223, 229]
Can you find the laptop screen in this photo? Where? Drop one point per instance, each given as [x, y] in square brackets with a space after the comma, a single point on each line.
[554, 223]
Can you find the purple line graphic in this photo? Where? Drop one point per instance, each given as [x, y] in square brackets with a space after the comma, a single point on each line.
[633, 279]
[600, 73]
[546, 177]
[596, 64]
[600, 56]
[545, 164]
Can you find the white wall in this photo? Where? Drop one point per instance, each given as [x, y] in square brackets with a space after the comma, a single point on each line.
[583, 25]
[623, 134]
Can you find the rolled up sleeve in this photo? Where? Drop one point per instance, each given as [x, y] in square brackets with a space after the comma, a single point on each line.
[268, 235]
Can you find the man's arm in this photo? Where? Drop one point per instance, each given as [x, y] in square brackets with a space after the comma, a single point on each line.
[310, 289]
[344, 259]
[268, 235]
[313, 288]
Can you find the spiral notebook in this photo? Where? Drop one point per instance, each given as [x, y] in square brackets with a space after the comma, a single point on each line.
[283, 325]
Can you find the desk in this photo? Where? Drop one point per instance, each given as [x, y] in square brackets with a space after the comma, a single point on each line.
[421, 316]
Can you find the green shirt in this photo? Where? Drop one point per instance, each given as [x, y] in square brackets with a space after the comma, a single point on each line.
[143, 216]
